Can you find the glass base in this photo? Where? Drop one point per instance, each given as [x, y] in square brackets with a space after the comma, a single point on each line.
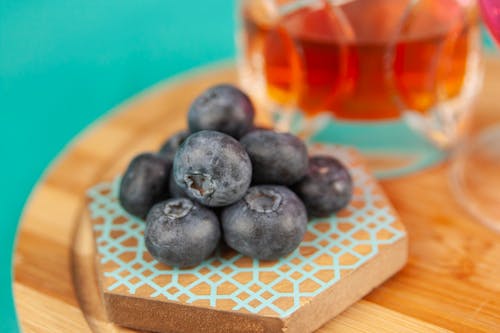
[391, 148]
[475, 177]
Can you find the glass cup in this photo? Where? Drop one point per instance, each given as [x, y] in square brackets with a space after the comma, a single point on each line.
[396, 78]
[476, 162]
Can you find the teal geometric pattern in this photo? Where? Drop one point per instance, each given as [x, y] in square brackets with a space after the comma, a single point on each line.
[332, 248]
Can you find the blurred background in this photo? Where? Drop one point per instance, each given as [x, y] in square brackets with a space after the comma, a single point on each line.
[64, 63]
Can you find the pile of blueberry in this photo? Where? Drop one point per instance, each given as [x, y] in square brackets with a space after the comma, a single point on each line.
[225, 178]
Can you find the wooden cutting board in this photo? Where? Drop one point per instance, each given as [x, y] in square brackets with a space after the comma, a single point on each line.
[451, 281]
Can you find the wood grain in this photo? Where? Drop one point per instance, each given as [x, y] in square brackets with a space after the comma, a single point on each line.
[450, 283]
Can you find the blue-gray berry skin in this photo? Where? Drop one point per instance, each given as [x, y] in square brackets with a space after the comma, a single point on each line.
[212, 168]
[277, 158]
[181, 233]
[144, 183]
[222, 108]
[174, 190]
[268, 223]
[327, 187]
[169, 148]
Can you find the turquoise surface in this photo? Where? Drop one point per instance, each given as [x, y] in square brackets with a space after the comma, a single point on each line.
[63, 63]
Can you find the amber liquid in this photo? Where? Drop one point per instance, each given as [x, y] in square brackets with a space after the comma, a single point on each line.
[309, 63]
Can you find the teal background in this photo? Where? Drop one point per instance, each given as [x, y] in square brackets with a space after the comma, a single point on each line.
[63, 63]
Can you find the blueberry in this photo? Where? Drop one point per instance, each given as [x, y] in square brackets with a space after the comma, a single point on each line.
[174, 190]
[277, 158]
[327, 187]
[212, 168]
[268, 223]
[144, 183]
[222, 108]
[181, 233]
[169, 148]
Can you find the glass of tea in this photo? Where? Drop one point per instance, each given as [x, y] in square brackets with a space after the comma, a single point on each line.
[396, 78]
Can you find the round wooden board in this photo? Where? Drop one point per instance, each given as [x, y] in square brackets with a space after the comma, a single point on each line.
[450, 282]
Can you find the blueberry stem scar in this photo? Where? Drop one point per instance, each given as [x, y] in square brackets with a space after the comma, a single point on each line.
[199, 184]
[263, 201]
[178, 209]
